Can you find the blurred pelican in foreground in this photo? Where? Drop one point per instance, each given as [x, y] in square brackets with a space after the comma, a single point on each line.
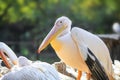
[79, 49]
[25, 69]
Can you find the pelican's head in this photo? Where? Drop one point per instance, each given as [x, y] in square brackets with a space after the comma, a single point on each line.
[62, 25]
[5, 49]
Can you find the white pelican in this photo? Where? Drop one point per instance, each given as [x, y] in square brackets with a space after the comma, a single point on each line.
[66, 43]
[25, 69]
[116, 27]
[28, 70]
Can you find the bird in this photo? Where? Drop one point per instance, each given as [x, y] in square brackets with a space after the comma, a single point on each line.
[28, 70]
[66, 43]
[25, 69]
[116, 27]
[5, 49]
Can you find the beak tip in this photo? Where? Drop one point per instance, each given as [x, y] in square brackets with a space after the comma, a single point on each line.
[38, 51]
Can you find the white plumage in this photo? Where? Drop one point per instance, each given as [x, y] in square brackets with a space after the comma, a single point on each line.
[95, 44]
[116, 27]
[116, 67]
[29, 70]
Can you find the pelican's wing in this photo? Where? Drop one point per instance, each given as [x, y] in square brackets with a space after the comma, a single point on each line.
[96, 45]
[96, 68]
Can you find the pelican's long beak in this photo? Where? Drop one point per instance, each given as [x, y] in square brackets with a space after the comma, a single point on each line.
[55, 31]
[4, 58]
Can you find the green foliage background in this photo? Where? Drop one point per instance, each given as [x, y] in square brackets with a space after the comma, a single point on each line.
[24, 23]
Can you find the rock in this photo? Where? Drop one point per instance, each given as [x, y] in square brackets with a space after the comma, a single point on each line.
[66, 70]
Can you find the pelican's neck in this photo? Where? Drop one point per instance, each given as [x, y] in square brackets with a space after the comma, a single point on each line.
[57, 43]
[65, 32]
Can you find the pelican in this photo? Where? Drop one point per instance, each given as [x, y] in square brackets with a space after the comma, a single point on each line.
[28, 70]
[25, 69]
[79, 49]
[116, 27]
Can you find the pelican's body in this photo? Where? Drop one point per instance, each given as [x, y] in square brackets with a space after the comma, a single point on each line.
[28, 70]
[25, 69]
[68, 45]
[67, 50]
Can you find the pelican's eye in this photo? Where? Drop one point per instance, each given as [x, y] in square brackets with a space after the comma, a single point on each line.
[61, 22]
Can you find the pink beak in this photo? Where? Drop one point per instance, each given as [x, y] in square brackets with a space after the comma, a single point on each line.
[55, 31]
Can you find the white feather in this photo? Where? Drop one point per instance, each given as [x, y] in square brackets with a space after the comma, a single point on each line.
[95, 44]
[116, 27]
[33, 71]
[28, 70]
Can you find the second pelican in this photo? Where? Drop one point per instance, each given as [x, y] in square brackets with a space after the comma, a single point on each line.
[68, 45]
